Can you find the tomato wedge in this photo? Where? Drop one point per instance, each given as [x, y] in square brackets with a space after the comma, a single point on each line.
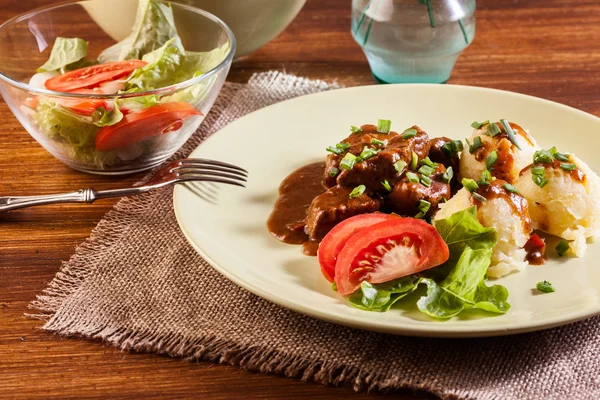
[136, 126]
[334, 241]
[89, 77]
[388, 250]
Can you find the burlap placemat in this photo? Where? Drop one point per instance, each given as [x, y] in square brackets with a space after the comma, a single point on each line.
[138, 285]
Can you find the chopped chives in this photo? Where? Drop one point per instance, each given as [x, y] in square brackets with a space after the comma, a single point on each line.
[426, 170]
[511, 134]
[384, 125]
[477, 143]
[412, 177]
[493, 130]
[452, 147]
[367, 153]
[425, 181]
[444, 200]
[357, 191]
[568, 166]
[377, 142]
[511, 188]
[333, 172]
[423, 207]
[479, 197]
[544, 287]
[414, 161]
[409, 133]
[469, 184]
[348, 161]
[540, 180]
[427, 161]
[561, 157]
[542, 156]
[491, 159]
[339, 148]
[485, 179]
[562, 247]
[355, 129]
[447, 175]
[386, 185]
[538, 170]
[400, 166]
[478, 125]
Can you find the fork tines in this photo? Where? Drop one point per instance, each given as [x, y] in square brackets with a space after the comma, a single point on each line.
[191, 169]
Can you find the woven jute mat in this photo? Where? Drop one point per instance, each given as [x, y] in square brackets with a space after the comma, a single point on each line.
[138, 285]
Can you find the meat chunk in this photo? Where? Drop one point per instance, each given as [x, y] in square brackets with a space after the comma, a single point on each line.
[357, 142]
[405, 196]
[335, 205]
[438, 155]
[380, 166]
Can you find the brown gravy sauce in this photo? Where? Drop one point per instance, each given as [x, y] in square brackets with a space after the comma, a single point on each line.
[296, 192]
[519, 204]
[535, 255]
[577, 175]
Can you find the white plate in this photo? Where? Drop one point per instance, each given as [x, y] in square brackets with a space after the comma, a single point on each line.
[272, 142]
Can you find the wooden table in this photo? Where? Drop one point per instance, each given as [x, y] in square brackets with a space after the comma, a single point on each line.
[546, 48]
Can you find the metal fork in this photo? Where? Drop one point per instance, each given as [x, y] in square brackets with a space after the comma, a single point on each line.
[184, 170]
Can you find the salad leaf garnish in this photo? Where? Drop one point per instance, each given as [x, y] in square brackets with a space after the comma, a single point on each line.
[169, 65]
[103, 117]
[66, 54]
[153, 27]
[381, 296]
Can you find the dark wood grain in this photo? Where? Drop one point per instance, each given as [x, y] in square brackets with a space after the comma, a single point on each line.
[546, 48]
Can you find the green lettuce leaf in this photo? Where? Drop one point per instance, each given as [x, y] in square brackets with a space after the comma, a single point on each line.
[75, 134]
[464, 288]
[381, 296]
[102, 117]
[66, 54]
[193, 94]
[153, 27]
[137, 103]
[169, 65]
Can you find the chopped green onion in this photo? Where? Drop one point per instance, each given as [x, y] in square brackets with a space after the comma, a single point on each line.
[511, 134]
[334, 150]
[469, 184]
[538, 170]
[426, 170]
[540, 180]
[334, 286]
[562, 247]
[409, 133]
[568, 167]
[423, 207]
[478, 125]
[511, 188]
[544, 287]
[384, 125]
[477, 143]
[447, 175]
[427, 161]
[333, 172]
[444, 199]
[367, 153]
[542, 156]
[561, 157]
[452, 147]
[386, 185]
[414, 161]
[412, 177]
[486, 175]
[425, 181]
[491, 159]
[355, 129]
[357, 191]
[377, 142]
[493, 130]
[348, 161]
[479, 197]
[339, 148]
[400, 166]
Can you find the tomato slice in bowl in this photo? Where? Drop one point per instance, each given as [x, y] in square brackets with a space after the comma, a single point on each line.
[332, 244]
[90, 77]
[136, 126]
[388, 250]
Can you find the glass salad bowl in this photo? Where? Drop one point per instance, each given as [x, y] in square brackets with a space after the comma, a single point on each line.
[113, 107]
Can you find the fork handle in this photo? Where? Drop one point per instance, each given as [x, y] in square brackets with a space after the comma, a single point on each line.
[81, 196]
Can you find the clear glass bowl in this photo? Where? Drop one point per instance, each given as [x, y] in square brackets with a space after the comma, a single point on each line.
[25, 44]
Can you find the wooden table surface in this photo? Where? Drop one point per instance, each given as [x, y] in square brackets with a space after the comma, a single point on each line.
[545, 48]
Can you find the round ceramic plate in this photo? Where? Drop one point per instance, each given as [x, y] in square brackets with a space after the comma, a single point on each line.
[231, 234]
